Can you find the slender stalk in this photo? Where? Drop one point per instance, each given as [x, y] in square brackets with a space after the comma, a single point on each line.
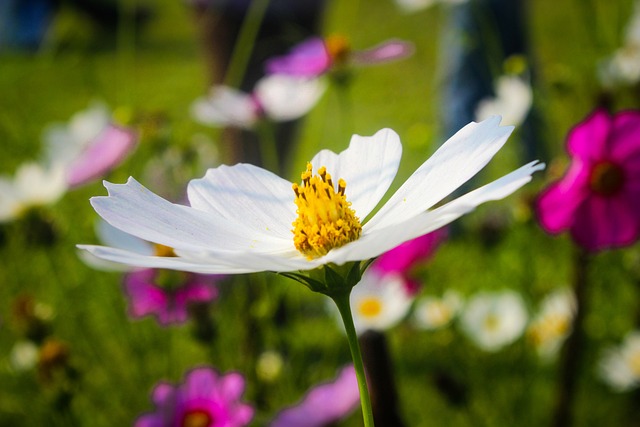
[572, 352]
[245, 41]
[342, 302]
[126, 44]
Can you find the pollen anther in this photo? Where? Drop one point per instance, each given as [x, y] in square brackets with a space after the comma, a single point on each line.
[325, 218]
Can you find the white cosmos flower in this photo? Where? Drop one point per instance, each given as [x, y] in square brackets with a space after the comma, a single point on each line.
[240, 218]
[553, 323]
[620, 366]
[379, 301]
[435, 312]
[513, 101]
[494, 320]
[276, 97]
[33, 185]
[623, 67]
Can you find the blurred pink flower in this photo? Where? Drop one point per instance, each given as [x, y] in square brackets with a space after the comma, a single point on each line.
[168, 305]
[206, 398]
[317, 56]
[402, 259]
[89, 145]
[598, 199]
[323, 404]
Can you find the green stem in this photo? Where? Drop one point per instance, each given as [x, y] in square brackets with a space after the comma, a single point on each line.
[126, 44]
[244, 43]
[342, 302]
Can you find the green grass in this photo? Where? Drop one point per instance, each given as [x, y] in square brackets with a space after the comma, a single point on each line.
[118, 360]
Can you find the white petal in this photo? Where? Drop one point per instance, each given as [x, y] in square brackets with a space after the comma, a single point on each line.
[225, 106]
[287, 97]
[206, 262]
[137, 211]
[377, 240]
[249, 195]
[368, 166]
[453, 164]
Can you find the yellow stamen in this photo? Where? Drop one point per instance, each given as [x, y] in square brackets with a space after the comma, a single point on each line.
[162, 250]
[197, 418]
[338, 48]
[370, 307]
[325, 218]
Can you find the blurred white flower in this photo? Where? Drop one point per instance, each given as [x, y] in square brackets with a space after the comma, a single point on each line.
[89, 145]
[379, 301]
[553, 323]
[276, 97]
[409, 6]
[434, 312]
[623, 67]
[34, 185]
[620, 366]
[24, 355]
[494, 320]
[513, 101]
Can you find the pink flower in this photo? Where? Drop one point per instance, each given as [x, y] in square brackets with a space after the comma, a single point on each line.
[106, 151]
[402, 259]
[317, 56]
[168, 305]
[323, 404]
[598, 199]
[89, 146]
[206, 399]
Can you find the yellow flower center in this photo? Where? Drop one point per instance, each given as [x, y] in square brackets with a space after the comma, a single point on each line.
[338, 48]
[370, 307]
[325, 218]
[196, 418]
[634, 363]
[162, 250]
[491, 322]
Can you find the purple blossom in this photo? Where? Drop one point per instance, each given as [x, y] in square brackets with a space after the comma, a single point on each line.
[323, 404]
[167, 305]
[598, 199]
[317, 56]
[205, 398]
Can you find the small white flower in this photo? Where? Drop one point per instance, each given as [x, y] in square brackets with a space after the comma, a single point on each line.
[553, 323]
[620, 366]
[379, 301]
[494, 320]
[623, 67]
[24, 355]
[240, 217]
[276, 97]
[434, 312]
[513, 101]
[34, 185]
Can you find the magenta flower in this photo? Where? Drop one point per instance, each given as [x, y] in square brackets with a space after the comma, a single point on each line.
[401, 260]
[317, 56]
[205, 399]
[323, 404]
[598, 199]
[168, 305]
